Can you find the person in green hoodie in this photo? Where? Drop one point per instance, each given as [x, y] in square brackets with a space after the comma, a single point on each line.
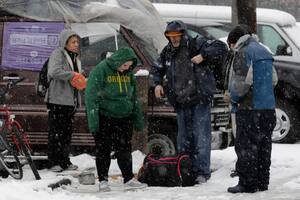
[113, 111]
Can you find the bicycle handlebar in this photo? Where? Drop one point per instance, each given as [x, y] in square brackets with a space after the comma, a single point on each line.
[12, 81]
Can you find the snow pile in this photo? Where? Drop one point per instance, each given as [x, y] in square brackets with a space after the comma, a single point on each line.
[284, 183]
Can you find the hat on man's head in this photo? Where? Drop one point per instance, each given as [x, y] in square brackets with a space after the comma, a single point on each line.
[237, 32]
[175, 28]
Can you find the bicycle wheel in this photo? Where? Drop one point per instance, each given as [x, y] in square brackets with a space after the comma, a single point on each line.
[24, 148]
[9, 160]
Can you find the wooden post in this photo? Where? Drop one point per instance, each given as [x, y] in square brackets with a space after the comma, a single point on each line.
[139, 139]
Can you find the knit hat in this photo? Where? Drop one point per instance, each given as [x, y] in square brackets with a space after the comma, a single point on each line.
[175, 28]
[237, 32]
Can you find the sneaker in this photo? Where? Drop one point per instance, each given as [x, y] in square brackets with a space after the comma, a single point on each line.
[72, 167]
[56, 168]
[103, 186]
[133, 183]
[201, 180]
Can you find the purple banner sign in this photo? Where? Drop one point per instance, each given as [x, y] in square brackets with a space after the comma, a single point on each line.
[26, 45]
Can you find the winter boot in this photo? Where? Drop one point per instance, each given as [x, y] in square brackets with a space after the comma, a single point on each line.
[241, 189]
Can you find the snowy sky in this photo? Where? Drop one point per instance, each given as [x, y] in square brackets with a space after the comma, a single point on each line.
[284, 183]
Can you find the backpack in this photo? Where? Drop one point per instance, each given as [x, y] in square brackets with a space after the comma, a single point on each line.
[43, 83]
[168, 171]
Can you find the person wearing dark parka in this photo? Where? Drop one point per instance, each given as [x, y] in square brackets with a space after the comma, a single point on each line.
[186, 63]
[251, 93]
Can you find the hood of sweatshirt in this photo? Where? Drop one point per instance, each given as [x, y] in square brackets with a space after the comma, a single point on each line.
[121, 56]
[64, 36]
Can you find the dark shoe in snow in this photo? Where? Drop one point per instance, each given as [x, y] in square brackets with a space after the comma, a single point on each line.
[262, 188]
[241, 189]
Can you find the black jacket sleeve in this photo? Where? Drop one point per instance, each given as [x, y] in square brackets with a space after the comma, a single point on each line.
[211, 50]
[158, 70]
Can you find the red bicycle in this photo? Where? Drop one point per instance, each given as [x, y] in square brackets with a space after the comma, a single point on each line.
[11, 130]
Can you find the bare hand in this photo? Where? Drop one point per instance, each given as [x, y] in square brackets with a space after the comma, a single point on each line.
[226, 97]
[159, 91]
[197, 59]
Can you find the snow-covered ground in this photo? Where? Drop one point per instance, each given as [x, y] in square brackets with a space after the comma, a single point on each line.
[284, 183]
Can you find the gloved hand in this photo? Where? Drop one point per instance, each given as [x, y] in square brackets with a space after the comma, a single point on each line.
[78, 81]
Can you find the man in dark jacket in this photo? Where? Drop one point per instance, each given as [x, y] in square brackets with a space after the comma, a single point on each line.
[251, 93]
[190, 85]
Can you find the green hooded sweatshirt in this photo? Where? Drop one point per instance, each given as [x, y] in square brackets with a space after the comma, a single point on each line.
[112, 93]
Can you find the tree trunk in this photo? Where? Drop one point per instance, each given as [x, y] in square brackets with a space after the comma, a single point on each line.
[246, 13]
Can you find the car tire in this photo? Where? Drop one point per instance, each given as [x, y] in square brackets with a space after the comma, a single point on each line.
[160, 144]
[287, 129]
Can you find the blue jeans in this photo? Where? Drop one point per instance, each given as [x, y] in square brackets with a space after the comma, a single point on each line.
[194, 136]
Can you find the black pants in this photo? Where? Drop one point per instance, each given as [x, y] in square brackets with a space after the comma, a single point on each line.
[60, 134]
[253, 147]
[114, 137]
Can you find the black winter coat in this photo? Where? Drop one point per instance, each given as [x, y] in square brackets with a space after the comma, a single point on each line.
[188, 84]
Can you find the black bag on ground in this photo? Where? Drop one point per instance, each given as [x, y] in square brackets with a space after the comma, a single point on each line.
[43, 83]
[167, 171]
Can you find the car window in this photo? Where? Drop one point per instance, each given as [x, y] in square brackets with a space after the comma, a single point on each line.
[272, 39]
[293, 32]
[93, 52]
[211, 32]
[217, 32]
[193, 34]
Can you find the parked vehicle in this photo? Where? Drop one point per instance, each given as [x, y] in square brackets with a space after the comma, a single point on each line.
[276, 29]
[145, 36]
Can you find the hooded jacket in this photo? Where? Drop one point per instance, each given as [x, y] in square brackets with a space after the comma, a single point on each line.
[111, 93]
[60, 72]
[251, 78]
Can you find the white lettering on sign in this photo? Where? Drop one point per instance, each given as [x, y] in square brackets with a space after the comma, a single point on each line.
[33, 39]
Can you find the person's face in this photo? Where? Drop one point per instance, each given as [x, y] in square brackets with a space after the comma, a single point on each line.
[232, 45]
[125, 66]
[73, 44]
[175, 40]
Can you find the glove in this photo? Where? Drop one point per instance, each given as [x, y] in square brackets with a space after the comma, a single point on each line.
[78, 81]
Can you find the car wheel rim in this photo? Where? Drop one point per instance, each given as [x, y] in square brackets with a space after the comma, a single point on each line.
[282, 127]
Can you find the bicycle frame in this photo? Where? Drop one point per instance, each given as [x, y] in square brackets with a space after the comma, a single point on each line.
[9, 120]
[11, 127]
